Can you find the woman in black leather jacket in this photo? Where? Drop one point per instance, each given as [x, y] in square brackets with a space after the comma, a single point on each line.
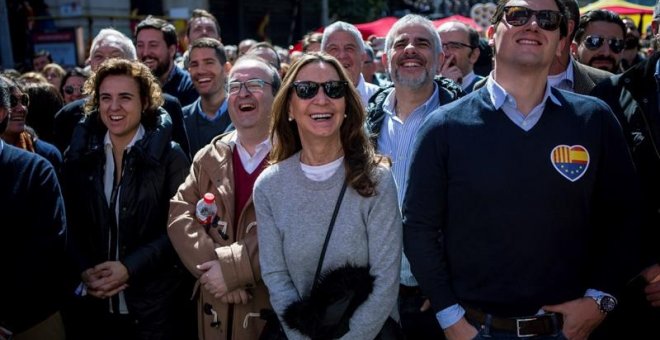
[120, 171]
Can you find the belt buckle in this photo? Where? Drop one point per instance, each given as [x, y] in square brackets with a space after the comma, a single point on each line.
[518, 321]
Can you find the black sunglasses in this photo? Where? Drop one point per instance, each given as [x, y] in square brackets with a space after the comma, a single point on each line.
[70, 89]
[308, 89]
[23, 99]
[546, 19]
[594, 42]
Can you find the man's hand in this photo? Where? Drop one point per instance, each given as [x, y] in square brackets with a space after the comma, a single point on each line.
[462, 330]
[581, 317]
[652, 289]
[212, 279]
[237, 296]
[451, 71]
[425, 306]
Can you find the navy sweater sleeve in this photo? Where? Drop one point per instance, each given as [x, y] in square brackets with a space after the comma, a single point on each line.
[424, 210]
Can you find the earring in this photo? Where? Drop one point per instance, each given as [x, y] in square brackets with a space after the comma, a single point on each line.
[345, 116]
[290, 119]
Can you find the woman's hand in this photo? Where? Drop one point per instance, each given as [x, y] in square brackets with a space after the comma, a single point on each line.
[106, 279]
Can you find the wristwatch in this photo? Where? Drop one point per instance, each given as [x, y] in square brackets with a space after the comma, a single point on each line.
[606, 303]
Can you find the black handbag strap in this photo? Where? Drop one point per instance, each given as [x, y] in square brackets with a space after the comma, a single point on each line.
[327, 236]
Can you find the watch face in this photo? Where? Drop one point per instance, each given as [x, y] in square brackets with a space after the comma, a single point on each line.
[607, 303]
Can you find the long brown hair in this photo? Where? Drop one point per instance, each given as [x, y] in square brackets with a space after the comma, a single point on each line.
[359, 155]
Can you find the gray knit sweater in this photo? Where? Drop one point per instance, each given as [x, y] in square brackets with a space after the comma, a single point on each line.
[293, 214]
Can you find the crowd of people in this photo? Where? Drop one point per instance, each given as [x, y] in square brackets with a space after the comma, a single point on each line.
[435, 183]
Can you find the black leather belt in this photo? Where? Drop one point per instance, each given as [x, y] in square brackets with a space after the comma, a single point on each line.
[534, 325]
[408, 291]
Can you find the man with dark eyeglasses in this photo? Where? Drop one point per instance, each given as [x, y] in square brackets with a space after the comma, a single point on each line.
[634, 98]
[565, 72]
[207, 116]
[520, 218]
[460, 44]
[599, 40]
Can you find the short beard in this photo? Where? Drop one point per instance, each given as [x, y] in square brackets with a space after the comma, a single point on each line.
[161, 69]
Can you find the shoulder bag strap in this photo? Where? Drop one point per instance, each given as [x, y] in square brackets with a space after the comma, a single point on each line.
[327, 236]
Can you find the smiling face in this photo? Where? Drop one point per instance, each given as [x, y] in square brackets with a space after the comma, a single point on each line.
[320, 117]
[527, 46]
[120, 107]
[75, 84]
[108, 48]
[207, 73]
[250, 110]
[18, 113]
[412, 61]
[153, 51]
[343, 46]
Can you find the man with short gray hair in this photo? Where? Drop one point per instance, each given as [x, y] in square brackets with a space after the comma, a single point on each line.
[394, 118]
[344, 42]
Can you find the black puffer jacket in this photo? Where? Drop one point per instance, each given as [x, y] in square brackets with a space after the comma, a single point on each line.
[448, 91]
[153, 170]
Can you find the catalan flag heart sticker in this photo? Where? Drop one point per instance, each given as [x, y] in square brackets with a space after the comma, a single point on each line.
[570, 161]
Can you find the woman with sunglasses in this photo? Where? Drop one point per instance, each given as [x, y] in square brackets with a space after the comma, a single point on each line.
[19, 134]
[72, 84]
[119, 173]
[319, 145]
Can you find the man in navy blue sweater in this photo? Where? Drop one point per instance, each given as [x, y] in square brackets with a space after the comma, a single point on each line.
[32, 241]
[521, 212]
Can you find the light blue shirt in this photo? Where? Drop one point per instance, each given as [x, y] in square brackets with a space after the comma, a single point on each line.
[564, 80]
[396, 140]
[501, 99]
[218, 114]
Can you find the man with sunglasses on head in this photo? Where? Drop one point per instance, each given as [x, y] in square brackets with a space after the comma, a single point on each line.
[394, 117]
[634, 98]
[207, 116]
[565, 72]
[599, 40]
[520, 216]
[460, 44]
[631, 54]
[224, 257]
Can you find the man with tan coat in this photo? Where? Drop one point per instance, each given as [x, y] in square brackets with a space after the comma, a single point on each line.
[224, 256]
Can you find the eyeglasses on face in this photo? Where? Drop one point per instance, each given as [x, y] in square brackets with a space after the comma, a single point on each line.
[252, 86]
[15, 100]
[594, 42]
[71, 89]
[455, 45]
[334, 89]
[546, 19]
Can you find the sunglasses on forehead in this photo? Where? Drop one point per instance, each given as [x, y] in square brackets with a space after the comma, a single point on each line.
[594, 42]
[546, 19]
[23, 99]
[308, 89]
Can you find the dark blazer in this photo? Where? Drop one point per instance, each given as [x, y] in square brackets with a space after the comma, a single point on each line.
[585, 77]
